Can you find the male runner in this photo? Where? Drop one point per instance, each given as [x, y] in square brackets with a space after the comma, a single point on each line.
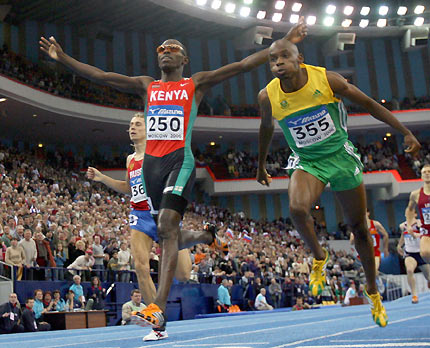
[170, 112]
[302, 99]
[376, 229]
[421, 198]
[411, 254]
[143, 227]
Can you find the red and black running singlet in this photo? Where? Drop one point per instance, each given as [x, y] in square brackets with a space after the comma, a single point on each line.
[376, 238]
[424, 209]
[170, 113]
[139, 200]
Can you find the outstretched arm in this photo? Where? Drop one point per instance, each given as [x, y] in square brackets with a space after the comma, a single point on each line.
[385, 236]
[341, 86]
[206, 79]
[137, 85]
[265, 136]
[411, 211]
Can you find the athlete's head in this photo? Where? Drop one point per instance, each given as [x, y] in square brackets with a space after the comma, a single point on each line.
[425, 173]
[172, 55]
[137, 129]
[284, 59]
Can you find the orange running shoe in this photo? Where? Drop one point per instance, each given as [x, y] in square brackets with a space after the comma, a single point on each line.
[414, 299]
[218, 243]
[149, 316]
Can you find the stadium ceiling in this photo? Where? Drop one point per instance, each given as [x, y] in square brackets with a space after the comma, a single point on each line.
[225, 18]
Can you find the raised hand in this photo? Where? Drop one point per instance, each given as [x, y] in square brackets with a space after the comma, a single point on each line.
[94, 174]
[51, 47]
[263, 177]
[413, 145]
[298, 32]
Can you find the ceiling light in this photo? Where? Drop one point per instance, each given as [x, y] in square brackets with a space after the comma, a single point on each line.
[34, 115]
[296, 7]
[346, 23]
[247, 2]
[212, 143]
[2, 100]
[383, 10]
[348, 10]
[294, 18]
[279, 5]
[382, 22]
[328, 21]
[402, 10]
[277, 17]
[365, 10]
[419, 9]
[230, 7]
[201, 2]
[364, 23]
[216, 4]
[331, 9]
[245, 11]
[311, 20]
[40, 145]
[419, 21]
[261, 14]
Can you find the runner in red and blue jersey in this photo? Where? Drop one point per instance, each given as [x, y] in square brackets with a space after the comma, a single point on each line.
[421, 199]
[171, 109]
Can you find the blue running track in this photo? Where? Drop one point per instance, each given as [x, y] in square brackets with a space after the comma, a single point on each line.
[335, 327]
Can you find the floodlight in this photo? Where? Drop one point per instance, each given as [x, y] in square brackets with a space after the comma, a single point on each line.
[419, 21]
[277, 17]
[402, 10]
[348, 10]
[216, 4]
[382, 22]
[261, 14]
[328, 21]
[419, 9]
[330, 9]
[346, 23]
[279, 5]
[294, 18]
[365, 10]
[364, 23]
[230, 7]
[311, 20]
[296, 7]
[383, 10]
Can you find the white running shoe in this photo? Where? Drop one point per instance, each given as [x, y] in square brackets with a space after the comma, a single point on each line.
[156, 336]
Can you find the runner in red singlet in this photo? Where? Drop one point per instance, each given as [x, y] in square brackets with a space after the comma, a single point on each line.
[171, 109]
[421, 199]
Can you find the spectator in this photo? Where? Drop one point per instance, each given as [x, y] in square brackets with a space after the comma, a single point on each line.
[72, 304]
[224, 300]
[114, 266]
[48, 303]
[10, 315]
[60, 260]
[77, 289]
[59, 303]
[194, 275]
[124, 261]
[134, 305]
[350, 293]
[38, 308]
[261, 302]
[82, 263]
[96, 295]
[15, 256]
[29, 318]
[44, 255]
[19, 232]
[275, 292]
[29, 246]
[300, 305]
[98, 254]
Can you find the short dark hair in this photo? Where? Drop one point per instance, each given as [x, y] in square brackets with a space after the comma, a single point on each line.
[56, 292]
[29, 299]
[135, 291]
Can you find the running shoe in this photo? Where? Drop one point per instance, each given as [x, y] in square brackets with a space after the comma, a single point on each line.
[414, 299]
[317, 278]
[156, 335]
[379, 314]
[218, 243]
[149, 316]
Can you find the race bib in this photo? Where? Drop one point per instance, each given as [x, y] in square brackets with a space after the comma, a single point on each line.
[374, 241]
[138, 193]
[165, 122]
[293, 161]
[312, 127]
[426, 215]
[12, 316]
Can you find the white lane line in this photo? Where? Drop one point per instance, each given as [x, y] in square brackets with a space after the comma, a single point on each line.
[384, 339]
[347, 331]
[409, 344]
[220, 344]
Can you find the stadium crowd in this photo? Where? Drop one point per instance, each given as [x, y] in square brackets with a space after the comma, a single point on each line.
[57, 80]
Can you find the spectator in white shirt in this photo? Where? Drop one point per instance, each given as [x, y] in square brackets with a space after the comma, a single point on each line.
[124, 258]
[30, 250]
[261, 302]
[83, 262]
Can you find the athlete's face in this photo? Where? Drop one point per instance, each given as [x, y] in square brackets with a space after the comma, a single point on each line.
[137, 130]
[285, 60]
[171, 56]
[425, 174]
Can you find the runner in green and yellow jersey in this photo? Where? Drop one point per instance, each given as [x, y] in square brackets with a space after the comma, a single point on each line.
[314, 122]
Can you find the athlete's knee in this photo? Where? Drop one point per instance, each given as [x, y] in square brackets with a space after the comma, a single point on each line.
[425, 254]
[141, 265]
[167, 229]
[299, 211]
[410, 270]
[182, 275]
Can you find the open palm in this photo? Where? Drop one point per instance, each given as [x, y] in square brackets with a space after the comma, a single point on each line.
[51, 47]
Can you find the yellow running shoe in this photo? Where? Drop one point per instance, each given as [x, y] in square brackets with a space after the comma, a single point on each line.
[378, 310]
[317, 279]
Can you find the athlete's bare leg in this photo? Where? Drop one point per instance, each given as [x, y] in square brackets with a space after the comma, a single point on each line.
[168, 232]
[141, 245]
[183, 269]
[425, 249]
[188, 238]
[411, 265]
[355, 214]
[304, 189]
[377, 263]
